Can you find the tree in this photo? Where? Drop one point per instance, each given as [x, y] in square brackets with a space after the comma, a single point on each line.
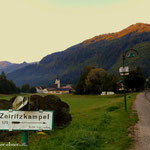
[25, 88]
[80, 87]
[32, 90]
[135, 80]
[6, 86]
[148, 82]
[96, 81]
[3, 83]
[110, 83]
[114, 80]
[12, 87]
[3, 76]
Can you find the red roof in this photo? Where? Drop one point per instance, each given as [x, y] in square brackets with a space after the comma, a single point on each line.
[39, 88]
[67, 87]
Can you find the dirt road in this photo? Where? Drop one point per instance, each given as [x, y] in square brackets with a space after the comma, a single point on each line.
[142, 128]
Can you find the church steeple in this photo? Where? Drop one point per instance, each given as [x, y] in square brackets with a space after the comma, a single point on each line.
[57, 77]
[57, 82]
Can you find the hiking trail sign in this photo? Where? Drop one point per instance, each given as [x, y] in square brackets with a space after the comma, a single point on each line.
[26, 120]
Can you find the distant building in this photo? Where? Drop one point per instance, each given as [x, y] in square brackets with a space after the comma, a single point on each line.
[107, 93]
[39, 89]
[45, 91]
[57, 89]
[57, 83]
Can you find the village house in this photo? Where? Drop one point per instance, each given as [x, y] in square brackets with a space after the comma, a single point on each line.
[39, 89]
[57, 89]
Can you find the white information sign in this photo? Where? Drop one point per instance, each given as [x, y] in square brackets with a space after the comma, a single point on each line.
[26, 120]
[124, 70]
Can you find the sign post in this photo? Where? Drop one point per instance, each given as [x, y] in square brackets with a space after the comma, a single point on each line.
[24, 137]
[26, 120]
[123, 72]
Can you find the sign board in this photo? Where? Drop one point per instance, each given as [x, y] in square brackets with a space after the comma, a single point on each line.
[127, 73]
[124, 70]
[26, 120]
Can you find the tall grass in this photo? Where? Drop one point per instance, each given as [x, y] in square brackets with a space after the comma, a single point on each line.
[99, 123]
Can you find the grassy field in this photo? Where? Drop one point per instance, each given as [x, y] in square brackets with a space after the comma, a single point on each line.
[99, 123]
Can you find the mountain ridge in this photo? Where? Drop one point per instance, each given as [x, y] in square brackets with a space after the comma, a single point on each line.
[4, 64]
[104, 52]
[9, 67]
[134, 28]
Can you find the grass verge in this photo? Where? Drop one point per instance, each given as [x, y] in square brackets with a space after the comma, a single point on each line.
[99, 123]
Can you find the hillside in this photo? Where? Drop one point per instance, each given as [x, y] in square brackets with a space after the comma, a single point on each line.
[9, 67]
[136, 28]
[101, 51]
[142, 60]
[4, 64]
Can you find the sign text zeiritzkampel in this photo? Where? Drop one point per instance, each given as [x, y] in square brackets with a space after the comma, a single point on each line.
[26, 120]
[23, 116]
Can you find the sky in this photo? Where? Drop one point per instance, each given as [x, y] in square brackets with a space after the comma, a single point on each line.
[32, 29]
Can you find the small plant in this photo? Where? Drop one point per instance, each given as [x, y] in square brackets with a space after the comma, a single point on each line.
[112, 108]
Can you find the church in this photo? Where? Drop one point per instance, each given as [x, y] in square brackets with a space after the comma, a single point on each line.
[57, 89]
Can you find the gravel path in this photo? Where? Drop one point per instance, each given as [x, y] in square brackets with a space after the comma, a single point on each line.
[147, 94]
[142, 128]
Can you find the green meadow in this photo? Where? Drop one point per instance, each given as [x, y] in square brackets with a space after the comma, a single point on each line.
[98, 123]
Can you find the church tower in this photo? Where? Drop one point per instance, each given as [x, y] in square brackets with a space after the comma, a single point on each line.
[57, 83]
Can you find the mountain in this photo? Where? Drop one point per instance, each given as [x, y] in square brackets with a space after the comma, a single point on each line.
[100, 51]
[9, 67]
[4, 64]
